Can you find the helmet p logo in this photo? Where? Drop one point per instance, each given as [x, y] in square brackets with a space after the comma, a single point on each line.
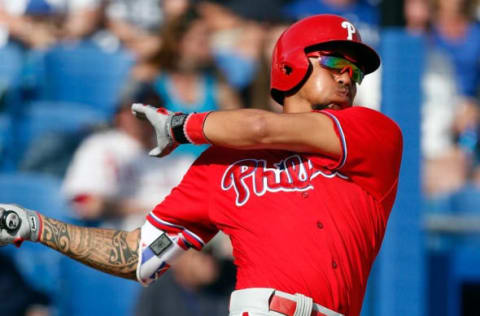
[350, 29]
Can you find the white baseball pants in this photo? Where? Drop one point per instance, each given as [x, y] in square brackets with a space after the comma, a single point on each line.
[270, 302]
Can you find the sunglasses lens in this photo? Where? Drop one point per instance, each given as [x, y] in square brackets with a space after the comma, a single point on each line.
[340, 64]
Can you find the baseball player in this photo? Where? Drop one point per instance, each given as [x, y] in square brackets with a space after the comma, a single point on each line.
[303, 195]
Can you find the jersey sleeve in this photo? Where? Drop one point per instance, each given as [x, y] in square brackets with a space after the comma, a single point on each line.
[371, 149]
[185, 211]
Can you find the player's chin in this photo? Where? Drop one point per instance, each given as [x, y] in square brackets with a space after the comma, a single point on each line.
[343, 102]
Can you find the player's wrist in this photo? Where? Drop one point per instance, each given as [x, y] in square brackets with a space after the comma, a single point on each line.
[188, 128]
[36, 234]
[32, 229]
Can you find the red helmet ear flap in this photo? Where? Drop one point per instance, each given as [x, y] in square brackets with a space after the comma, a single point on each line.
[289, 68]
[289, 74]
[279, 95]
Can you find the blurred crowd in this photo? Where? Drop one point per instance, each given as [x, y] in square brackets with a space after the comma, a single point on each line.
[71, 69]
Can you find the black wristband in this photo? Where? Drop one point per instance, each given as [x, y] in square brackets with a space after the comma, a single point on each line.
[176, 125]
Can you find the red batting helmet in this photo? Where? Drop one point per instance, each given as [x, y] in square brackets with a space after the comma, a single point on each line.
[290, 64]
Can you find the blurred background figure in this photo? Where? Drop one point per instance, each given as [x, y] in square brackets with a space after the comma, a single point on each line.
[111, 178]
[39, 24]
[83, 19]
[17, 297]
[449, 125]
[187, 79]
[444, 165]
[136, 26]
[259, 91]
[239, 29]
[418, 16]
[186, 289]
[34, 23]
[234, 41]
[456, 33]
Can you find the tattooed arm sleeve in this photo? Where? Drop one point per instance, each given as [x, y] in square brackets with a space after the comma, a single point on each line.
[111, 251]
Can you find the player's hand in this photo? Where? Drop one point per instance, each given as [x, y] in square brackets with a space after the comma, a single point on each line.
[161, 119]
[18, 224]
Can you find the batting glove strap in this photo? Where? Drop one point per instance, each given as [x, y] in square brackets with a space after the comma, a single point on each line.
[177, 123]
[188, 128]
[36, 225]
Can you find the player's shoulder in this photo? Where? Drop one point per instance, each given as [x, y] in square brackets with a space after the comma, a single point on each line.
[383, 123]
[387, 131]
[361, 120]
[371, 117]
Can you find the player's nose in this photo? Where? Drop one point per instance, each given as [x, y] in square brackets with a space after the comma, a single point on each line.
[345, 76]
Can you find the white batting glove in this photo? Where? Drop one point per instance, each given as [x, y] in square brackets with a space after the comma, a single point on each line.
[18, 224]
[161, 120]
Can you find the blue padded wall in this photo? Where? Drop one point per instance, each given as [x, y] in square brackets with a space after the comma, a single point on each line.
[397, 284]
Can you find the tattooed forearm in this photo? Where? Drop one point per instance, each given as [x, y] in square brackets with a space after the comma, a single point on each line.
[111, 251]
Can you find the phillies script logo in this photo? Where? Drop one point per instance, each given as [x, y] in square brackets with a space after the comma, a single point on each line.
[253, 176]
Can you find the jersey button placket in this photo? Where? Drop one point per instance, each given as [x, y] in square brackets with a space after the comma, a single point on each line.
[319, 225]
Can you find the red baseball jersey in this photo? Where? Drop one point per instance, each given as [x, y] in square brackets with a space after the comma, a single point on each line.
[299, 223]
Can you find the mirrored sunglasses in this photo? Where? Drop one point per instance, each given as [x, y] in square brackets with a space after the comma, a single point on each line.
[341, 64]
